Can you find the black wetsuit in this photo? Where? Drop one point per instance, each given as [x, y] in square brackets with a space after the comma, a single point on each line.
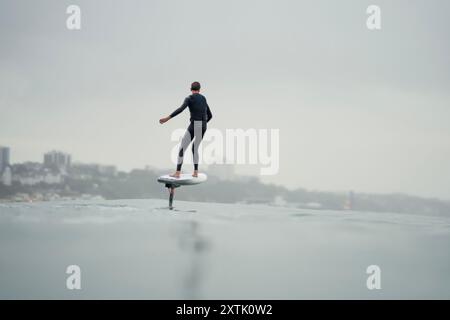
[200, 116]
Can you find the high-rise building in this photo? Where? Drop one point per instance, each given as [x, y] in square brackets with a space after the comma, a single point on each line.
[57, 159]
[4, 158]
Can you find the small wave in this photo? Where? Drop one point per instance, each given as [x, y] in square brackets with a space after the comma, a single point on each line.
[97, 206]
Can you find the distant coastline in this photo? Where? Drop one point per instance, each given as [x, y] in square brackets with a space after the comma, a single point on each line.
[32, 181]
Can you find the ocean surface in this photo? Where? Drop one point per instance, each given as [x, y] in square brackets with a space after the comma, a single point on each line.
[138, 249]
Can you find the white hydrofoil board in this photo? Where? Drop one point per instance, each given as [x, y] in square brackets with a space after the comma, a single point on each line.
[185, 179]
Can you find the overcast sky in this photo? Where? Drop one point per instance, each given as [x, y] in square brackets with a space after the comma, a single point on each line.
[357, 109]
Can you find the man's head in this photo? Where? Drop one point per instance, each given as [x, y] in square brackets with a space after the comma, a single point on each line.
[195, 86]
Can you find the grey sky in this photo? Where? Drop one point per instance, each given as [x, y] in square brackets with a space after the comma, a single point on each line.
[356, 109]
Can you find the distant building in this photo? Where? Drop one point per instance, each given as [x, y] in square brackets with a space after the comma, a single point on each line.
[349, 202]
[52, 178]
[83, 171]
[33, 173]
[57, 159]
[4, 158]
[6, 176]
[107, 170]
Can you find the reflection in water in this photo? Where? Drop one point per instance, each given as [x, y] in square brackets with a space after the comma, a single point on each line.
[195, 245]
[139, 252]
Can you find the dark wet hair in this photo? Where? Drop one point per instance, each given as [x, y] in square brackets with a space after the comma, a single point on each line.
[195, 86]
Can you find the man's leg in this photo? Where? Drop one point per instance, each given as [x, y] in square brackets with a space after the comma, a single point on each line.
[187, 138]
[199, 132]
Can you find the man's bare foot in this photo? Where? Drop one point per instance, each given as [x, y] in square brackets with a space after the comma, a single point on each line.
[195, 174]
[176, 174]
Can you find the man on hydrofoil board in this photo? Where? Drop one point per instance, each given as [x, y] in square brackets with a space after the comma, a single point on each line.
[200, 116]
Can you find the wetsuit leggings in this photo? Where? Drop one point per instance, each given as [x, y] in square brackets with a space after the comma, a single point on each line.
[195, 130]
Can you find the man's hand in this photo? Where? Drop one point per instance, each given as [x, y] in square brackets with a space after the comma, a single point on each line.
[163, 120]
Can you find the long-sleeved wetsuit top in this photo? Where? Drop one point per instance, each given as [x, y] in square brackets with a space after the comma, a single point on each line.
[197, 106]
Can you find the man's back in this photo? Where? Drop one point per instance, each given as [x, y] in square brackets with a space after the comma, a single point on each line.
[198, 108]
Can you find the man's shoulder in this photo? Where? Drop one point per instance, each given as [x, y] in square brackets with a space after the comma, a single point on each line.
[196, 96]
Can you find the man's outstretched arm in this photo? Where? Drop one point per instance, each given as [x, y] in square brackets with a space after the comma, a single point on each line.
[176, 112]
